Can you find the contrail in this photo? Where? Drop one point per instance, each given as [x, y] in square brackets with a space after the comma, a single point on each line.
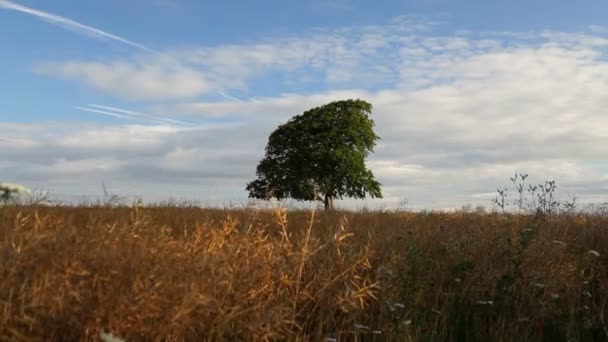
[129, 115]
[69, 23]
[229, 97]
[104, 112]
[141, 115]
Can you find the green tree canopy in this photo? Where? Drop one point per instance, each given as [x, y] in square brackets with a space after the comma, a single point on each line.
[320, 155]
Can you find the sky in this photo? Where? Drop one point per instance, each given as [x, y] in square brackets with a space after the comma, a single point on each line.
[175, 99]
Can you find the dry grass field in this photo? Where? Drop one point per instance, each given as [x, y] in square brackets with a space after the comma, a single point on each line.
[185, 273]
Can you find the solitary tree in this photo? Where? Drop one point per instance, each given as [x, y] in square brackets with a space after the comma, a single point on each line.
[320, 155]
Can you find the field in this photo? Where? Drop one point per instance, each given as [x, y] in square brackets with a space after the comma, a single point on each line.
[185, 273]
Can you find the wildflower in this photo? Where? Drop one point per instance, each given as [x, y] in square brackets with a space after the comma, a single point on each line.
[14, 188]
[394, 307]
[458, 280]
[8, 189]
[485, 302]
[540, 285]
[594, 253]
[361, 327]
[407, 322]
[587, 294]
[560, 243]
[554, 296]
[377, 332]
[108, 337]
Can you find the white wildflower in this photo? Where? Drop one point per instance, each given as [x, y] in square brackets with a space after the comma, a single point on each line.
[560, 243]
[361, 326]
[408, 322]
[377, 332]
[594, 253]
[400, 306]
[13, 188]
[108, 337]
[458, 280]
[587, 294]
[485, 302]
[554, 296]
[7, 190]
[540, 285]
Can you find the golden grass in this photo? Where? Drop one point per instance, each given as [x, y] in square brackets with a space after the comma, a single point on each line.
[171, 273]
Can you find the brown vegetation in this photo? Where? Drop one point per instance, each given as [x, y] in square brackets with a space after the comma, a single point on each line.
[171, 273]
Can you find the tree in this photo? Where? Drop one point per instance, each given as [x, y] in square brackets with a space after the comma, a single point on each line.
[320, 155]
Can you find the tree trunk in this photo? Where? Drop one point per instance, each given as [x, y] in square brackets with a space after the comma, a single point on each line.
[329, 202]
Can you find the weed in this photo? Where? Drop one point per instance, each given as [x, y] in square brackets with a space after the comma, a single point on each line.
[186, 273]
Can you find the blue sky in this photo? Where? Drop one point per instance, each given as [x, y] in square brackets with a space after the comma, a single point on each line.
[168, 24]
[175, 98]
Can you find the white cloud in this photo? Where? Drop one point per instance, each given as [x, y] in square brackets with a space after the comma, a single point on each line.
[458, 115]
[79, 167]
[136, 81]
[340, 57]
[535, 108]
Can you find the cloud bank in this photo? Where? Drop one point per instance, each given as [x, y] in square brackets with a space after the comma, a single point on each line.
[458, 114]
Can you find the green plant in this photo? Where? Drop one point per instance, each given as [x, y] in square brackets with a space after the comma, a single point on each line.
[542, 197]
[547, 203]
[500, 200]
[110, 199]
[320, 155]
[519, 181]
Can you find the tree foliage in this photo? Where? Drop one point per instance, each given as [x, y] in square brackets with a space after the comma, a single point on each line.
[320, 155]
